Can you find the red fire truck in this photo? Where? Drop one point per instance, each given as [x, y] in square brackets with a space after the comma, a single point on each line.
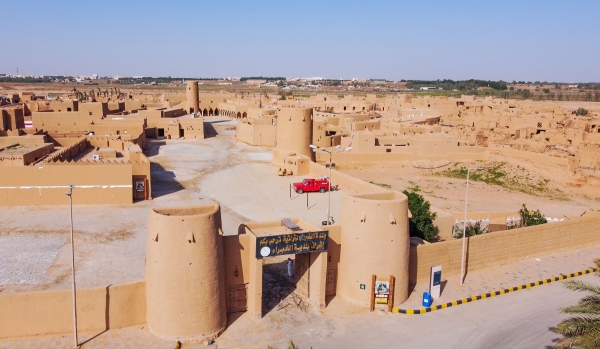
[311, 184]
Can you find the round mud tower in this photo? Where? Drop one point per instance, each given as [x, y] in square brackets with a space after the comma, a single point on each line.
[185, 287]
[375, 241]
[294, 130]
[192, 102]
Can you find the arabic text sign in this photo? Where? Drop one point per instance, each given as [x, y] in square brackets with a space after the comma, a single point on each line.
[294, 243]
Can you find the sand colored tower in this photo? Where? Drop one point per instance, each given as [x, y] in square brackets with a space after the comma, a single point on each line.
[375, 241]
[192, 102]
[294, 130]
[185, 285]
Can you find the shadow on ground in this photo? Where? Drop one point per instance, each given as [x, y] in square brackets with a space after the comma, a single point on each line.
[163, 182]
[277, 285]
[209, 130]
[153, 147]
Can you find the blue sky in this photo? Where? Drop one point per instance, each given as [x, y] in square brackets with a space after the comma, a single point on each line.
[509, 40]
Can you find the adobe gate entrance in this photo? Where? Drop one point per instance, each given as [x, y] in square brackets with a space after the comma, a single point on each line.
[245, 255]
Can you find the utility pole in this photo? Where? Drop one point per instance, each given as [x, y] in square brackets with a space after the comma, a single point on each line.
[75, 339]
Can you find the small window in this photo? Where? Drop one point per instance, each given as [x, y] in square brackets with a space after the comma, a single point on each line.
[388, 150]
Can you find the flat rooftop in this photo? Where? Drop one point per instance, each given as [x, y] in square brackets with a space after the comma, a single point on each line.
[277, 228]
[20, 150]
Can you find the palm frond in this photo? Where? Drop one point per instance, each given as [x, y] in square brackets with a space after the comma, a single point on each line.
[580, 286]
[292, 345]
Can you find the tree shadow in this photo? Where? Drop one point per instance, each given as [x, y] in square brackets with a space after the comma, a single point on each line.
[163, 182]
[209, 130]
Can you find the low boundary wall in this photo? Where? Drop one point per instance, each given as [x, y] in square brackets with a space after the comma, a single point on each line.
[503, 247]
[51, 312]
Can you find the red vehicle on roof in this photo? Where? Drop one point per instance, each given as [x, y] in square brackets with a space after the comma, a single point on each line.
[311, 184]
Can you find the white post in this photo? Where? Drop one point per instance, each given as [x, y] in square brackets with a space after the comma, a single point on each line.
[75, 339]
[329, 190]
[462, 262]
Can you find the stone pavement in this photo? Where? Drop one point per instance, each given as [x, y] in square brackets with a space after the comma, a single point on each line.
[275, 327]
[535, 268]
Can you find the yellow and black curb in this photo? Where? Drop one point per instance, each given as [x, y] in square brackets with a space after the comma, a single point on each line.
[490, 294]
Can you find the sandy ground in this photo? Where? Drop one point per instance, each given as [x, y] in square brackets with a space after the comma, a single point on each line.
[110, 240]
[449, 193]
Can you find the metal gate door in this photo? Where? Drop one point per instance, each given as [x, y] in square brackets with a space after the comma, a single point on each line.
[237, 298]
[302, 274]
[330, 286]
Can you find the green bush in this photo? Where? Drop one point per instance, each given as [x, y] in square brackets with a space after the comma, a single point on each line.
[581, 112]
[472, 230]
[421, 222]
[529, 218]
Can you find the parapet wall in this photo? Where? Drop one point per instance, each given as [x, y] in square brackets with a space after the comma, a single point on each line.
[51, 312]
[256, 134]
[46, 185]
[504, 247]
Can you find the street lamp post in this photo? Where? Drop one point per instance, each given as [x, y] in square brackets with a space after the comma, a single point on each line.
[462, 262]
[75, 340]
[331, 164]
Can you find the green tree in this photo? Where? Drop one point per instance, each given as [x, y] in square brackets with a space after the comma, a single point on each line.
[529, 218]
[583, 329]
[525, 93]
[421, 222]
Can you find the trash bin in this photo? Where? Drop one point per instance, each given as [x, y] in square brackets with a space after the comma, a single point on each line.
[426, 299]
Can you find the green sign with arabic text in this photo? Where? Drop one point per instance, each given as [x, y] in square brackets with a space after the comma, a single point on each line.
[277, 245]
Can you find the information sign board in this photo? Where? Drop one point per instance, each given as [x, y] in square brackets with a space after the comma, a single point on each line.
[270, 246]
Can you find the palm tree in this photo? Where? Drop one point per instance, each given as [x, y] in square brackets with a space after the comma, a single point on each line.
[583, 329]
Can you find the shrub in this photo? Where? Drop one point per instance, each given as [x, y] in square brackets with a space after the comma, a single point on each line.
[529, 218]
[472, 230]
[581, 112]
[421, 222]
